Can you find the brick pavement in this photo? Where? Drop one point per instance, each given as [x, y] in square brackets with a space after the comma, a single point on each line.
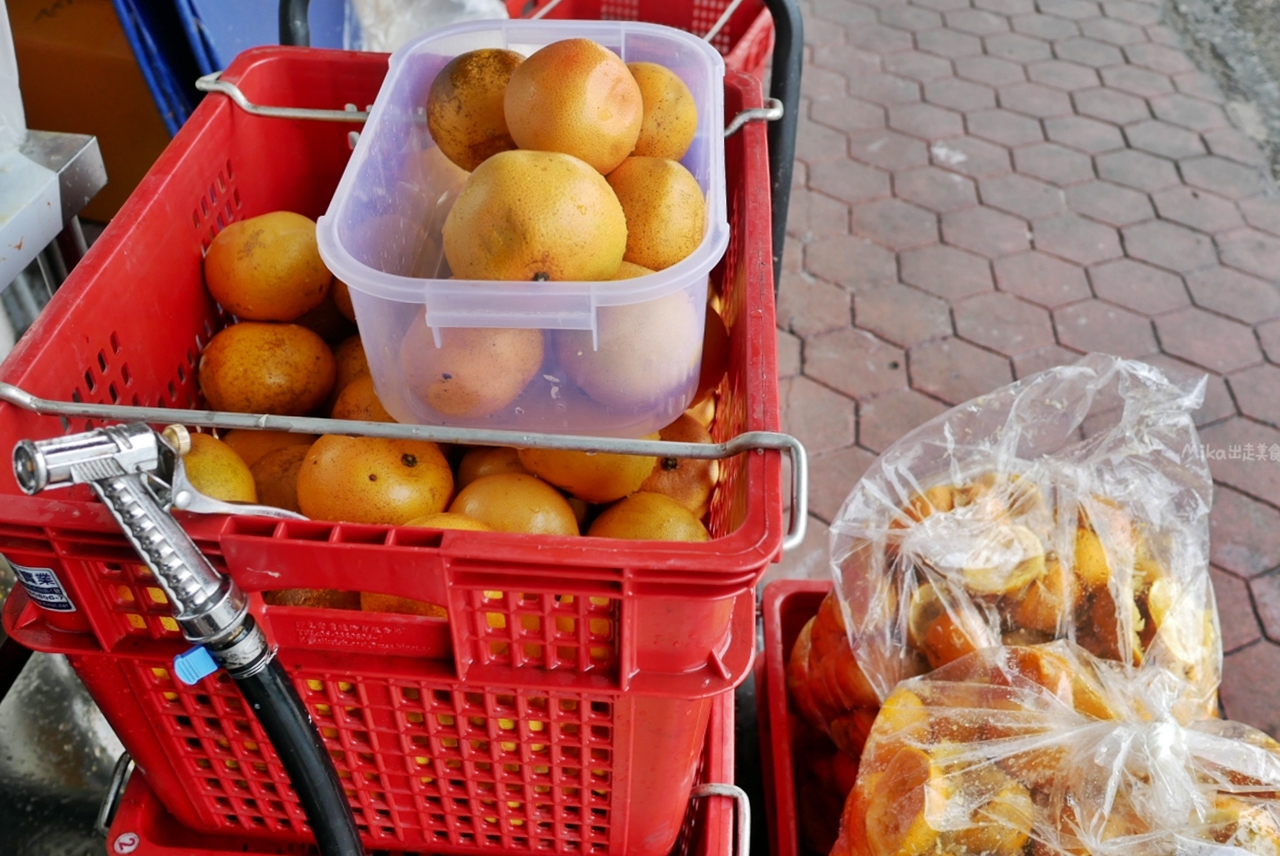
[986, 188]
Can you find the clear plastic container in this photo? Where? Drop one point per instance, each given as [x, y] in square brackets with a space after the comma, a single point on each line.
[637, 344]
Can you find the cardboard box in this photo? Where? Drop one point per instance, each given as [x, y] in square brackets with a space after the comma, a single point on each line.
[78, 74]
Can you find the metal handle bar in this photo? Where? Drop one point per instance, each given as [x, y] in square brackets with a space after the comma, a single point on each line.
[115, 792]
[749, 441]
[214, 83]
[742, 804]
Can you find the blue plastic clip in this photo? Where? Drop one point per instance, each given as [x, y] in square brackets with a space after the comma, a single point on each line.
[191, 666]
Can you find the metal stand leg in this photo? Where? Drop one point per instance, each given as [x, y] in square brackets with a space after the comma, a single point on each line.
[788, 61]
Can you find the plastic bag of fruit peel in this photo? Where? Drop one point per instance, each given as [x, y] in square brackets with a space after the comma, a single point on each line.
[1072, 504]
[1047, 750]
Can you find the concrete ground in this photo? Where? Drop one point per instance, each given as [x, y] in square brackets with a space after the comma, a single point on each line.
[986, 188]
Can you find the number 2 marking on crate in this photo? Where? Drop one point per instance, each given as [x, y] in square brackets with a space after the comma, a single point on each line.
[44, 587]
[126, 842]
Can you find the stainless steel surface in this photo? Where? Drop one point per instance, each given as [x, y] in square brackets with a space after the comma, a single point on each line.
[771, 112]
[743, 804]
[213, 83]
[56, 757]
[76, 159]
[749, 441]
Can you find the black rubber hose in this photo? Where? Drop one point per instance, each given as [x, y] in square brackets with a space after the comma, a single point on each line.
[294, 27]
[276, 704]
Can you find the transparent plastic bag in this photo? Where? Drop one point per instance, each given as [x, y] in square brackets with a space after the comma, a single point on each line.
[1048, 750]
[1072, 504]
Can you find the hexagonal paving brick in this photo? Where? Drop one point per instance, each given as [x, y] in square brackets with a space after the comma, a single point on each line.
[1093, 325]
[849, 181]
[1137, 81]
[935, 189]
[855, 363]
[888, 149]
[1138, 286]
[971, 156]
[1247, 694]
[1231, 596]
[959, 94]
[850, 261]
[1033, 99]
[831, 476]
[895, 224]
[1088, 52]
[816, 416]
[1159, 58]
[986, 232]
[1017, 47]
[946, 271]
[1262, 213]
[1198, 85]
[1003, 127]
[916, 65]
[812, 215]
[1252, 251]
[873, 37]
[1197, 209]
[1077, 10]
[1045, 27]
[788, 353]
[977, 22]
[949, 43]
[1137, 169]
[910, 18]
[1053, 163]
[1086, 135]
[1244, 534]
[1207, 340]
[1223, 176]
[1061, 74]
[1139, 14]
[820, 83]
[1110, 203]
[1169, 246]
[887, 417]
[843, 13]
[1228, 439]
[1041, 359]
[885, 89]
[1269, 338]
[925, 121]
[1180, 109]
[1235, 294]
[816, 143]
[990, 70]
[1111, 105]
[1006, 7]
[1042, 279]
[1230, 143]
[941, 5]
[1076, 239]
[847, 114]
[846, 59]
[1161, 138]
[902, 315]
[1003, 323]
[1113, 32]
[1257, 390]
[808, 306]
[956, 371]
[1023, 196]
[1266, 594]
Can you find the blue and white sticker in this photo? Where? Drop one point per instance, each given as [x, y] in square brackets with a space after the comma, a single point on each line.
[44, 587]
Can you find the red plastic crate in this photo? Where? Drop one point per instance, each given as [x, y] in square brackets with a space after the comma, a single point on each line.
[142, 826]
[787, 605]
[599, 657]
[746, 40]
